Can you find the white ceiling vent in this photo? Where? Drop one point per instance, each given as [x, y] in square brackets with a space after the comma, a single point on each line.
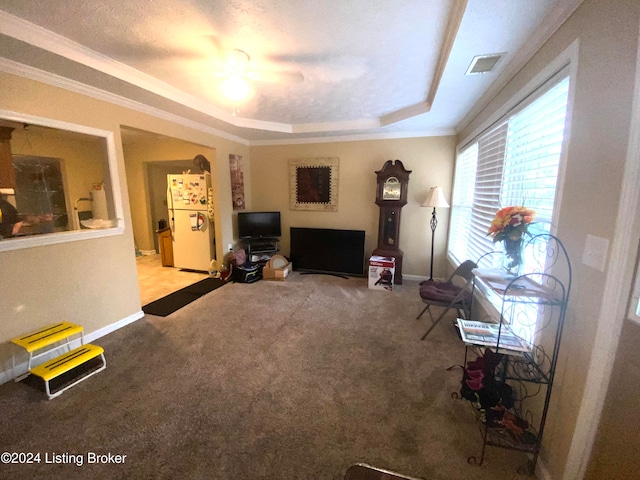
[484, 63]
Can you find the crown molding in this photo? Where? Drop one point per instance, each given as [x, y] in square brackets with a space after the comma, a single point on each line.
[451, 32]
[32, 73]
[49, 41]
[436, 132]
[405, 113]
[362, 124]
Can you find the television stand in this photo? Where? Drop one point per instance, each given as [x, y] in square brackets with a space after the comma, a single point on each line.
[261, 246]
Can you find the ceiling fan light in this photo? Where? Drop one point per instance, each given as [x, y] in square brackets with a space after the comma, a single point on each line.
[235, 88]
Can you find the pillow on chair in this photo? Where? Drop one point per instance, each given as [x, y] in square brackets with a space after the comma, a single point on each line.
[443, 292]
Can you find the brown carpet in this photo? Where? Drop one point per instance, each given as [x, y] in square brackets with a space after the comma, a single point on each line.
[279, 381]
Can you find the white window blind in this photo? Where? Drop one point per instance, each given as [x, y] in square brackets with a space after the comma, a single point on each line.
[462, 199]
[515, 162]
[534, 144]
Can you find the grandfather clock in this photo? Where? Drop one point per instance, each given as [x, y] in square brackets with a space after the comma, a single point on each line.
[391, 196]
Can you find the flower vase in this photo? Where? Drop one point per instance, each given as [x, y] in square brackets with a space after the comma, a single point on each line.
[512, 256]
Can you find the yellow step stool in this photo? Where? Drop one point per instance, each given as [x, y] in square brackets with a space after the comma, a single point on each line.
[70, 363]
[66, 370]
[47, 336]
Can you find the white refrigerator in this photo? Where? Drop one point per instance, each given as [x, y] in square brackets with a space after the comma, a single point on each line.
[190, 202]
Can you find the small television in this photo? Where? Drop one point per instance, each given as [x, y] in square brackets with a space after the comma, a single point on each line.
[259, 224]
[325, 250]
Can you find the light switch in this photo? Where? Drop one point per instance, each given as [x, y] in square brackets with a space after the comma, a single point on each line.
[595, 252]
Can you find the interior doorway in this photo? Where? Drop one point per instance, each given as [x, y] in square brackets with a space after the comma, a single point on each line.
[149, 158]
[154, 280]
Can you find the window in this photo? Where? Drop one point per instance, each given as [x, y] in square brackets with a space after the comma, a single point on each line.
[39, 195]
[58, 182]
[514, 162]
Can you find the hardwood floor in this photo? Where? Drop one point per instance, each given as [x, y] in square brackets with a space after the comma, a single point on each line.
[156, 281]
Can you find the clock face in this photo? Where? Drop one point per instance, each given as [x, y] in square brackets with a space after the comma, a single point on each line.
[391, 189]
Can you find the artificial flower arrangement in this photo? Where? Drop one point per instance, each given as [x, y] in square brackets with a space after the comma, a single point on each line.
[511, 222]
[509, 226]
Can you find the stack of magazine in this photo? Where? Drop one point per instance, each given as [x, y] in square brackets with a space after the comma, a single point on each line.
[489, 334]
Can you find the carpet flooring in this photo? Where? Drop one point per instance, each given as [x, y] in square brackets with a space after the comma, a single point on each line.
[267, 381]
[176, 300]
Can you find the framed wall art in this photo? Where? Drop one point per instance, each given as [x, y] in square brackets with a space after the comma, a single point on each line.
[314, 184]
[237, 181]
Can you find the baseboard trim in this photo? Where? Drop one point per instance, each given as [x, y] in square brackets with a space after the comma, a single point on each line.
[418, 278]
[541, 471]
[90, 337]
[22, 366]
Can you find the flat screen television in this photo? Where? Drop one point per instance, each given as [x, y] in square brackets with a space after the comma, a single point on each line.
[259, 224]
[324, 250]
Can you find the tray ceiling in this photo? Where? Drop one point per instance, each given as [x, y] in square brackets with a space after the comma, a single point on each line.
[374, 68]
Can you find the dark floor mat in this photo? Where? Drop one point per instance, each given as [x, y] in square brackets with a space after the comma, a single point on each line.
[175, 301]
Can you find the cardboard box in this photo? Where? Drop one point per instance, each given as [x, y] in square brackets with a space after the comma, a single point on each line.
[381, 272]
[277, 268]
[279, 274]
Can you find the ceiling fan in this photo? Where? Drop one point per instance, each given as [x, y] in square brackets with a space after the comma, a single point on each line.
[238, 72]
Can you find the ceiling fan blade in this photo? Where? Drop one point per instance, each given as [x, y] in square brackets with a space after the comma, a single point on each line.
[286, 77]
[328, 68]
[218, 49]
[211, 48]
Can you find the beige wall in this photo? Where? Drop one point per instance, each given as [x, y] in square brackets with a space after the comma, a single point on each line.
[428, 158]
[92, 282]
[608, 34]
[615, 453]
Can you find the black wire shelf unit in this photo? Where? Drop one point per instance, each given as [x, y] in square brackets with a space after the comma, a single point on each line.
[530, 306]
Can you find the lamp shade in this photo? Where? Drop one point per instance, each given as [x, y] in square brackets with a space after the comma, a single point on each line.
[435, 199]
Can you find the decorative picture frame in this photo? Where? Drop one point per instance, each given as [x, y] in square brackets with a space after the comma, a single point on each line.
[237, 181]
[313, 184]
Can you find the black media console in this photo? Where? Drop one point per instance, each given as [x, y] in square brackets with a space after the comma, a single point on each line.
[329, 251]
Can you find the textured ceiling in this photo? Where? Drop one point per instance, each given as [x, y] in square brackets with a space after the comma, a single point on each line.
[369, 67]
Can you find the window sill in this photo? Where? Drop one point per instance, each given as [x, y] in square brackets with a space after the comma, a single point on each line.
[56, 238]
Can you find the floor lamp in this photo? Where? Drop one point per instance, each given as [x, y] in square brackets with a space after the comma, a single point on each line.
[435, 199]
